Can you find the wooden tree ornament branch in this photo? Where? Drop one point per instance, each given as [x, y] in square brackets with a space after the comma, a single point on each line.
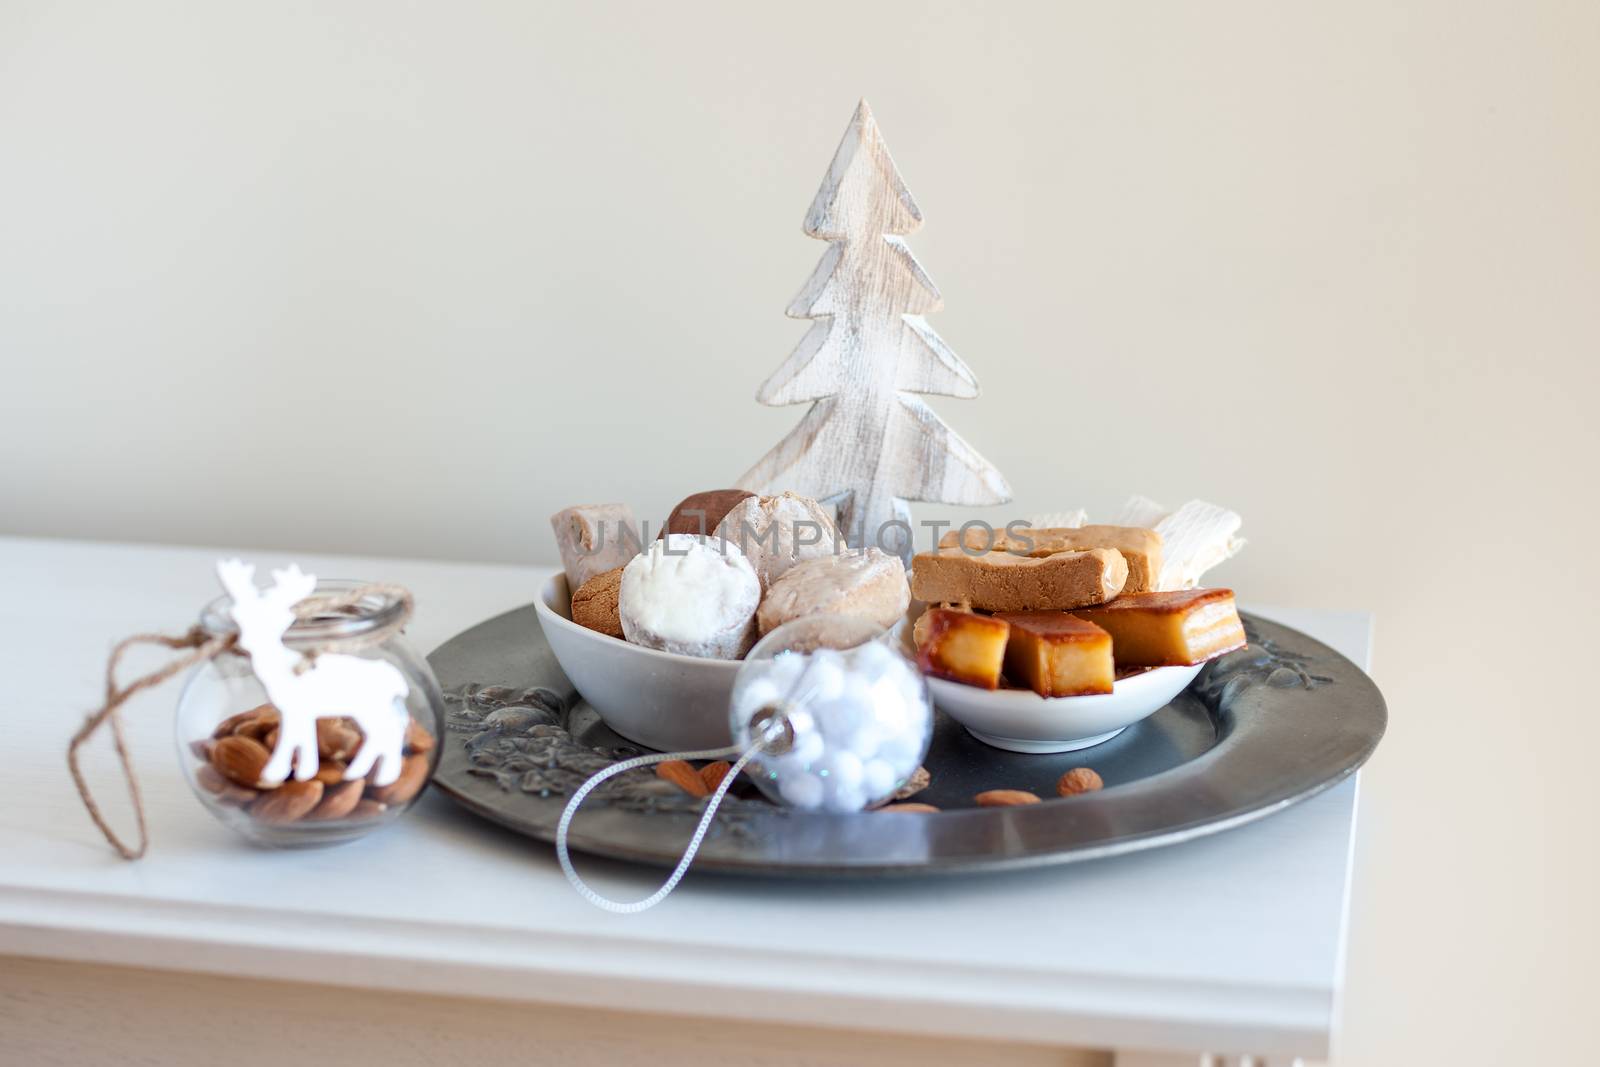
[867, 441]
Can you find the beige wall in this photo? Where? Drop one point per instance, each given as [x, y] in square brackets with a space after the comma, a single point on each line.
[405, 279]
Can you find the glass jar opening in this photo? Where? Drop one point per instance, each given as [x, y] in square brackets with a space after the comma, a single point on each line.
[369, 613]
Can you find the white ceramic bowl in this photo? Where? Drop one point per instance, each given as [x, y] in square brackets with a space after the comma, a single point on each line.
[1022, 721]
[658, 699]
[676, 703]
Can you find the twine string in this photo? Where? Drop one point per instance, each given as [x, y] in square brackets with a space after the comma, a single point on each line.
[319, 605]
[200, 646]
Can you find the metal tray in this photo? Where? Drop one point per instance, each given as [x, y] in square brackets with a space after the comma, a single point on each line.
[1261, 728]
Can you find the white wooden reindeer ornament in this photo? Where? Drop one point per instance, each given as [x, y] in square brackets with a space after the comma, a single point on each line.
[867, 441]
[369, 691]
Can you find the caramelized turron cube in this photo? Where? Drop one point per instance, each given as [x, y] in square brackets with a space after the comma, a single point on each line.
[1170, 629]
[919, 629]
[1057, 655]
[962, 647]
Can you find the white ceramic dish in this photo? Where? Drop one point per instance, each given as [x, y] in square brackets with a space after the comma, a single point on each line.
[1022, 721]
[658, 699]
[675, 703]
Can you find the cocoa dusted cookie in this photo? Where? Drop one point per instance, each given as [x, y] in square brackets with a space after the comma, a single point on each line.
[699, 513]
[595, 603]
[778, 532]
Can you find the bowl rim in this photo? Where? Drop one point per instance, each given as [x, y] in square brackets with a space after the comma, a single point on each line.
[1129, 688]
[545, 605]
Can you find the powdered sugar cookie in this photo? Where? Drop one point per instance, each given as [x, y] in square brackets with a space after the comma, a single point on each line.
[691, 595]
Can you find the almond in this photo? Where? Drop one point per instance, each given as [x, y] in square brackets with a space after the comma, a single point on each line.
[239, 796]
[920, 779]
[1078, 780]
[210, 779]
[330, 772]
[289, 802]
[685, 777]
[335, 740]
[367, 808]
[258, 727]
[712, 774]
[226, 726]
[418, 739]
[240, 759]
[1005, 798]
[201, 749]
[413, 776]
[337, 801]
[910, 807]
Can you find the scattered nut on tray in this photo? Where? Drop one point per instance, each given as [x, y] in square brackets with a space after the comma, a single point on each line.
[1078, 780]
[1004, 798]
[683, 775]
[920, 779]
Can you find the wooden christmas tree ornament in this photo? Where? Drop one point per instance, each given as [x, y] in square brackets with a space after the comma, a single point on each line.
[868, 444]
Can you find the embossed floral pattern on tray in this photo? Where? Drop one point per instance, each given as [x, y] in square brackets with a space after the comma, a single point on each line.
[520, 740]
[1261, 662]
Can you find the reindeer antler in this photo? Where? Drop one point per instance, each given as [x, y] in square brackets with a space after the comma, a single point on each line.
[291, 585]
[239, 579]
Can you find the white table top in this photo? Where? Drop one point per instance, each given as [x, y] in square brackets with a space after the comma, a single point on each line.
[1234, 942]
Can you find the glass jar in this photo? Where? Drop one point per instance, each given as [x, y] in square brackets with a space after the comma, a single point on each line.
[227, 726]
